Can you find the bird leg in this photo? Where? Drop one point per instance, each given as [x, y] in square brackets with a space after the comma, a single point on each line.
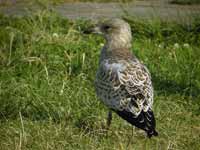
[109, 119]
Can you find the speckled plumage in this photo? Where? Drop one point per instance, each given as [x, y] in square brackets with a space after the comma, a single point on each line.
[122, 82]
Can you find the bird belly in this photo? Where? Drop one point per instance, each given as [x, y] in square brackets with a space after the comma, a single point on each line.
[108, 94]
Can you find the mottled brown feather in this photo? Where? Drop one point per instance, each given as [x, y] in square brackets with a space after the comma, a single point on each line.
[122, 82]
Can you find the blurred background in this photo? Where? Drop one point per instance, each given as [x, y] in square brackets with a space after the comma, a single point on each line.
[93, 9]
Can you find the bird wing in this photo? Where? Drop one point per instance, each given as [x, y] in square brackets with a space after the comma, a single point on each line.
[136, 80]
[125, 85]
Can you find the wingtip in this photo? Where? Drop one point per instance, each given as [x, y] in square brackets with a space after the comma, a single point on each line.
[152, 133]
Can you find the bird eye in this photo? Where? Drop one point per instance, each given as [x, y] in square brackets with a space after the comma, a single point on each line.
[106, 28]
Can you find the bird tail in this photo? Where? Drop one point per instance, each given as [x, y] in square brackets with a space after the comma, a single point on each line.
[145, 121]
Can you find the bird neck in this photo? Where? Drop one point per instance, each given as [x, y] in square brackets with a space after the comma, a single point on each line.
[122, 53]
[117, 43]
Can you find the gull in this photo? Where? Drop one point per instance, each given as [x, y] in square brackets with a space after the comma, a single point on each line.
[122, 82]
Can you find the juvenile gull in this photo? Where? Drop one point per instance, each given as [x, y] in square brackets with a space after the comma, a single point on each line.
[122, 82]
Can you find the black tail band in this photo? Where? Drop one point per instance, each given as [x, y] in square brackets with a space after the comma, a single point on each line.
[145, 121]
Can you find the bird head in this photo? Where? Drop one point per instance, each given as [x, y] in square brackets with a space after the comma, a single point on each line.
[117, 32]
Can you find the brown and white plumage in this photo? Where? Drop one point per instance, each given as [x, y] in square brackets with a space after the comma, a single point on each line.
[122, 82]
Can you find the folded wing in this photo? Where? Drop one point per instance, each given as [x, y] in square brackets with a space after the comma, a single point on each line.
[125, 87]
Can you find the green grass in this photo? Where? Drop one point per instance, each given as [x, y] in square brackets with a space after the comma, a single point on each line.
[47, 98]
[185, 2]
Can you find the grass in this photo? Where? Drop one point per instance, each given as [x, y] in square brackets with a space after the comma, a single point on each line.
[47, 98]
[55, 2]
[185, 2]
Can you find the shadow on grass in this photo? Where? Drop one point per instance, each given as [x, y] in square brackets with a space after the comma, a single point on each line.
[171, 87]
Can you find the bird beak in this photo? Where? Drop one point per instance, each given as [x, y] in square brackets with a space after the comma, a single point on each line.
[93, 29]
